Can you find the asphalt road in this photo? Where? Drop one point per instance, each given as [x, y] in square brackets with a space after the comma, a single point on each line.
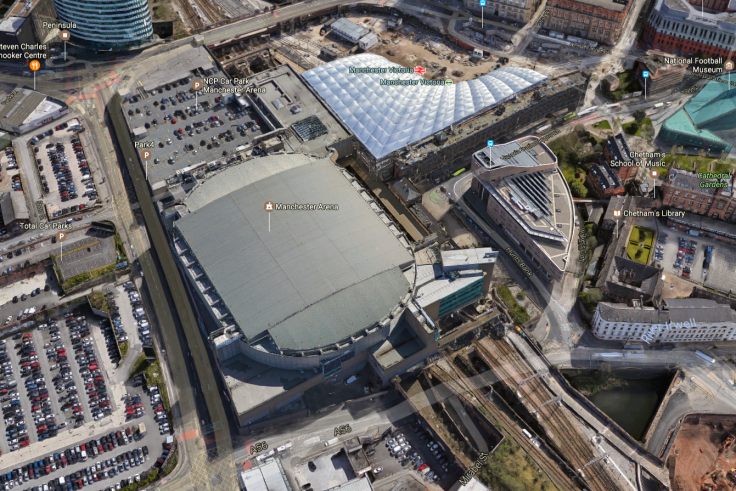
[174, 356]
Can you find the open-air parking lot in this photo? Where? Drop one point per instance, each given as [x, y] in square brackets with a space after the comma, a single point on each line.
[672, 242]
[79, 405]
[410, 447]
[186, 131]
[64, 174]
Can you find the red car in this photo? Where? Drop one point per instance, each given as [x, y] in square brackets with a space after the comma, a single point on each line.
[173, 120]
[137, 405]
[24, 444]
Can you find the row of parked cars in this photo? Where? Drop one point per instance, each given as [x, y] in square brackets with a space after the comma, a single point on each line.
[13, 414]
[144, 331]
[89, 368]
[73, 455]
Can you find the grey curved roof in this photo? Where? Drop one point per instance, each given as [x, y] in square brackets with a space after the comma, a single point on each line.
[386, 117]
[316, 277]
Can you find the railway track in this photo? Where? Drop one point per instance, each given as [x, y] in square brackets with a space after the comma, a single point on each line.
[574, 445]
[557, 475]
[210, 11]
[191, 15]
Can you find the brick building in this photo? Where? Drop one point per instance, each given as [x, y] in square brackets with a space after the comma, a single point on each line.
[709, 197]
[516, 10]
[663, 73]
[598, 20]
[617, 154]
[604, 181]
[687, 29]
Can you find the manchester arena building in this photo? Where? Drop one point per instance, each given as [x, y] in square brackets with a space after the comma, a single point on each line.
[306, 279]
[406, 125]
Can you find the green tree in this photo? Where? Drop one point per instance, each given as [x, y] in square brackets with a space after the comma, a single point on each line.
[639, 115]
[578, 189]
[632, 128]
[592, 243]
[642, 235]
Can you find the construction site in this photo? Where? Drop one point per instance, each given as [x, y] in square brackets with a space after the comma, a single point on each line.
[310, 42]
[703, 455]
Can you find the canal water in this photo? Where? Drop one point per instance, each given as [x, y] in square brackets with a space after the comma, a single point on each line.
[633, 406]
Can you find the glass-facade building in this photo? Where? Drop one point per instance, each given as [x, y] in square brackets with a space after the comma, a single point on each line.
[108, 24]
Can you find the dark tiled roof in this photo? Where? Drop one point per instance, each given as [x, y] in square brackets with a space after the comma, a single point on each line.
[605, 177]
[619, 148]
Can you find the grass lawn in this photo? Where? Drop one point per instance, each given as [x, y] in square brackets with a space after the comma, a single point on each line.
[701, 164]
[641, 238]
[629, 128]
[510, 468]
[602, 125]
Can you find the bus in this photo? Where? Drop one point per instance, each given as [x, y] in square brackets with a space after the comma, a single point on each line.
[569, 117]
[658, 105]
[710, 361]
[459, 172]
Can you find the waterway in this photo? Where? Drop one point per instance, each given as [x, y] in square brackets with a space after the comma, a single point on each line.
[632, 405]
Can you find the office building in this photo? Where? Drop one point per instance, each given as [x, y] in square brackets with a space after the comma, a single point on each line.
[677, 320]
[438, 127]
[665, 72]
[617, 155]
[109, 25]
[596, 20]
[520, 11]
[689, 29]
[525, 194]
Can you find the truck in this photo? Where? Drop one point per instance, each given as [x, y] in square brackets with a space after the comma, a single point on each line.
[331, 442]
[658, 105]
[710, 361]
[142, 429]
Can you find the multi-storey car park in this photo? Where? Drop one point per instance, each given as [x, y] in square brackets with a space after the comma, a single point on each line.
[525, 193]
[115, 24]
[190, 134]
[428, 131]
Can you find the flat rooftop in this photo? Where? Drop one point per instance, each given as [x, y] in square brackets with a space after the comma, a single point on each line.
[177, 64]
[252, 384]
[315, 277]
[446, 285]
[401, 344]
[468, 257]
[294, 105]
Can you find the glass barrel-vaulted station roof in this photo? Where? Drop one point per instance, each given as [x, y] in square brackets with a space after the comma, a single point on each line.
[385, 118]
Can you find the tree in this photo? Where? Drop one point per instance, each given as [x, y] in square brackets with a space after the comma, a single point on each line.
[639, 115]
[701, 153]
[632, 128]
[605, 372]
[642, 235]
[592, 243]
[724, 154]
[578, 189]
[639, 252]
